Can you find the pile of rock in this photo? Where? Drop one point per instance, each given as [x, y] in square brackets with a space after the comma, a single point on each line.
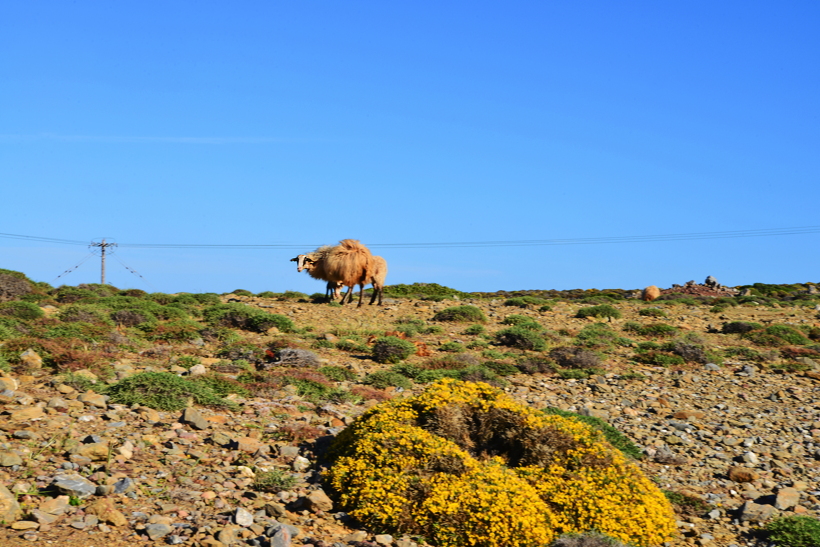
[710, 287]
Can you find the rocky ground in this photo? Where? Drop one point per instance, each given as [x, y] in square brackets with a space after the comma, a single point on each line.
[743, 438]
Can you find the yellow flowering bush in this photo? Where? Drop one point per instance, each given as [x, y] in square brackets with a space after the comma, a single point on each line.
[465, 465]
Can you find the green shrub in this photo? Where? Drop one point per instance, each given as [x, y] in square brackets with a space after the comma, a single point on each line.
[522, 321]
[453, 347]
[604, 310]
[245, 317]
[390, 349]
[17, 309]
[85, 313]
[337, 374]
[575, 358]
[615, 437]
[183, 330]
[788, 334]
[751, 354]
[273, 481]
[740, 327]
[475, 329]
[600, 336]
[423, 290]
[461, 314]
[163, 391]
[653, 312]
[794, 531]
[521, 338]
[433, 329]
[659, 359]
[654, 329]
[501, 368]
[525, 301]
[386, 378]
[221, 385]
[67, 295]
[323, 344]
[353, 346]
[293, 295]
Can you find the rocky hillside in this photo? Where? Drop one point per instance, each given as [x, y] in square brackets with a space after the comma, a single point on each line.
[202, 419]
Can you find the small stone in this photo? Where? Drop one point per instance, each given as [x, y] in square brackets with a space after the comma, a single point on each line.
[301, 464]
[358, 535]
[9, 458]
[198, 370]
[228, 534]
[753, 512]
[105, 509]
[92, 398]
[55, 506]
[24, 525]
[742, 474]
[192, 416]
[74, 485]
[30, 359]
[786, 498]
[249, 444]
[319, 501]
[243, 517]
[158, 530]
[26, 414]
[384, 539]
[8, 383]
[10, 510]
[97, 452]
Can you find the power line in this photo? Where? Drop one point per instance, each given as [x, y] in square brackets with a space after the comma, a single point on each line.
[689, 236]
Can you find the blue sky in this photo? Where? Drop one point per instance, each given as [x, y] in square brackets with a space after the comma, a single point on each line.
[303, 123]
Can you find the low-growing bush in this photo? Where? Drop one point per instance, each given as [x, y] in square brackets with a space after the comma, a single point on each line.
[794, 531]
[653, 312]
[660, 359]
[390, 349]
[531, 365]
[273, 481]
[17, 309]
[602, 311]
[526, 301]
[386, 378]
[521, 338]
[575, 358]
[653, 329]
[163, 391]
[423, 291]
[461, 314]
[464, 464]
[475, 330]
[600, 336]
[453, 347]
[337, 374]
[522, 321]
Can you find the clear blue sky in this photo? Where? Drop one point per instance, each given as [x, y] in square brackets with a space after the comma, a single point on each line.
[303, 123]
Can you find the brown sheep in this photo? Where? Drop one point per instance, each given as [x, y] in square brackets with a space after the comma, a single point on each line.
[315, 269]
[650, 293]
[347, 264]
[376, 276]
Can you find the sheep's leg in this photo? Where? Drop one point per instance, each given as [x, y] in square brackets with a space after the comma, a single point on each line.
[361, 294]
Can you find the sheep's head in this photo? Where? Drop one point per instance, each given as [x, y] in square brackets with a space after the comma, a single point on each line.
[303, 262]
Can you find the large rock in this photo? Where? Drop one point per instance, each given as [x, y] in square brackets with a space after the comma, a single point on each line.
[9, 508]
[319, 501]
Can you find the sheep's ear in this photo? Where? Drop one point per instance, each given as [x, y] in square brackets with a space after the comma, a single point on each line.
[295, 259]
